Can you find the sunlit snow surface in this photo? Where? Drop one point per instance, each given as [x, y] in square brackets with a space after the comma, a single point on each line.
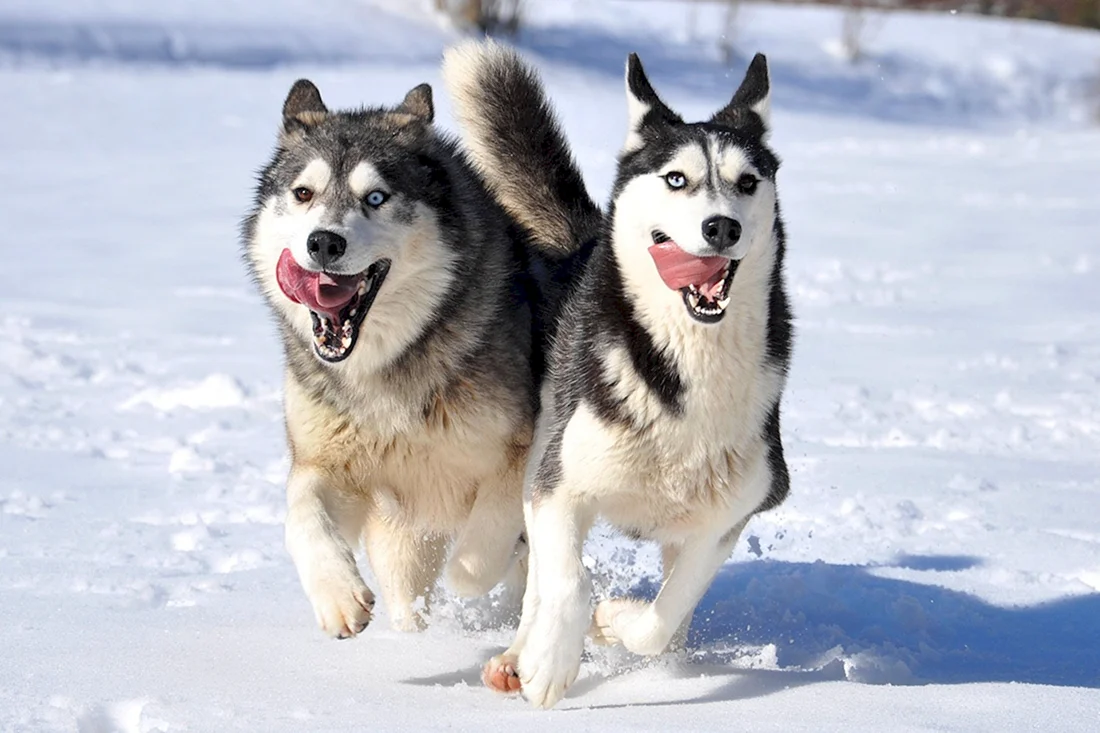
[937, 566]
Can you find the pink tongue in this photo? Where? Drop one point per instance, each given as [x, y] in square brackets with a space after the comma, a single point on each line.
[679, 269]
[318, 291]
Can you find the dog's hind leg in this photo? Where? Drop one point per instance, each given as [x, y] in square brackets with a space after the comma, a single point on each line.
[487, 545]
[316, 524]
[406, 561]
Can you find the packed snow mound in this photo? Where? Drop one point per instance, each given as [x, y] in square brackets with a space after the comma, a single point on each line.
[216, 391]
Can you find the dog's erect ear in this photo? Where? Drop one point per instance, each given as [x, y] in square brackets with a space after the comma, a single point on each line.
[303, 107]
[418, 103]
[643, 105]
[755, 91]
[753, 94]
[304, 98]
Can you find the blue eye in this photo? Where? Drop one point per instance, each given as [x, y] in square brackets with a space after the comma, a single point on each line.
[675, 179]
[377, 198]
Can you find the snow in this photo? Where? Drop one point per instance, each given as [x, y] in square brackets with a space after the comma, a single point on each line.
[937, 566]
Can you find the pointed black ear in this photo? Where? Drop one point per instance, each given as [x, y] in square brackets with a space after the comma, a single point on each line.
[642, 103]
[755, 89]
[418, 103]
[303, 98]
[753, 94]
[637, 83]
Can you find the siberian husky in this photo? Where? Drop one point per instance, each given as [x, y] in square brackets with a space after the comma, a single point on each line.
[660, 408]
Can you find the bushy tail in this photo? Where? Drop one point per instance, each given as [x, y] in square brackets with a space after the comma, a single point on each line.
[514, 139]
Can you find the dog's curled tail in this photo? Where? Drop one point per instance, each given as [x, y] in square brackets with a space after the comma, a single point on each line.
[514, 140]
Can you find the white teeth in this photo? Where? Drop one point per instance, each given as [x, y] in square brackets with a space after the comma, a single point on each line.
[704, 306]
[362, 287]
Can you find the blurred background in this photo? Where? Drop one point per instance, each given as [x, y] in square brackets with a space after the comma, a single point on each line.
[941, 188]
[902, 56]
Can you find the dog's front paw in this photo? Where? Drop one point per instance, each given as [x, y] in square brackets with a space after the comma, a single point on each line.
[499, 673]
[611, 617]
[547, 669]
[628, 622]
[343, 606]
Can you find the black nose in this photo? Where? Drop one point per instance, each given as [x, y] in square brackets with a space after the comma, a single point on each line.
[326, 247]
[721, 232]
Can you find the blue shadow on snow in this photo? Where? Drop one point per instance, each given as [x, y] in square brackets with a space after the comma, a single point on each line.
[835, 622]
[897, 631]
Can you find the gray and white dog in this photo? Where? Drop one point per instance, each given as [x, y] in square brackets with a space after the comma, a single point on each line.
[398, 286]
[660, 410]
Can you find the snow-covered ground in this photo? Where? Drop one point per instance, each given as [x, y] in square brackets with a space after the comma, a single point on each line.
[937, 566]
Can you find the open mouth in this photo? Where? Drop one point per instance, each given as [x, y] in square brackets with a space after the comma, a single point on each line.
[704, 282]
[337, 304]
[335, 337]
[709, 306]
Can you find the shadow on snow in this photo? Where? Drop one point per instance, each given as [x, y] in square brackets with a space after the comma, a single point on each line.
[897, 631]
[828, 622]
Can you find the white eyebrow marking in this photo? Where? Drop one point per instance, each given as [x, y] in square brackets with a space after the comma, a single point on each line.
[733, 163]
[691, 161]
[363, 178]
[315, 176]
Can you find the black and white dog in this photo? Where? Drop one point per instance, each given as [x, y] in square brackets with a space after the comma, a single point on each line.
[660, 409]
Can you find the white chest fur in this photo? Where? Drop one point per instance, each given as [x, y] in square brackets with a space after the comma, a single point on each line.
[668, 474]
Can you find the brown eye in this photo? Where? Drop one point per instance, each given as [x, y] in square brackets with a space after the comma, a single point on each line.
[746, 184]
[303, 195]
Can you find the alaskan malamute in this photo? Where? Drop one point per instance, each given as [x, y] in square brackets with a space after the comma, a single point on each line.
[398, 286]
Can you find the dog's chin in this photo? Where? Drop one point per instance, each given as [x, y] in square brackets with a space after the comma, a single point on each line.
[334, 341]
